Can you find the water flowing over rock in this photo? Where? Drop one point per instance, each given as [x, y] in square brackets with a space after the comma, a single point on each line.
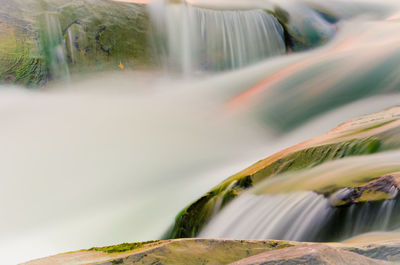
[296, 217]
[299, 216]
[361, 136]
[198, 39]
[287, 207]
[141, 106]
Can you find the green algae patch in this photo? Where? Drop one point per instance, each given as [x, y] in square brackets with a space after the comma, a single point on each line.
[192, 251]
[20, 60]
[191, 220]
[126, 247]
[360, 175]
[374, 196]
[379, 189]
[204, 251]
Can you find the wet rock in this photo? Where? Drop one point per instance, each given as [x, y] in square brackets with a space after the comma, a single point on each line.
[42, 40]
[316, 254]
[239, 252]
[378, 245]
[173, 252]
[381, 188]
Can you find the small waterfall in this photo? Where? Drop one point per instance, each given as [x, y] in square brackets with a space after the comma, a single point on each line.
[53, 46]
[192, 39]
[300, 216]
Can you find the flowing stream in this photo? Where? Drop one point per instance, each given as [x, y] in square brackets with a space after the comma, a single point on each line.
[150, 105]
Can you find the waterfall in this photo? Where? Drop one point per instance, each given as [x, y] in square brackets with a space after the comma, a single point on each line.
[192, 39]
[300, 216]
[53, 46]
[100, 157]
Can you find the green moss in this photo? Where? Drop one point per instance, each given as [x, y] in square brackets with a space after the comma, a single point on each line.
[374, 196]
[314, 156]
[190, 220]
[278, 244]
[22, 68]
[229, 195]
[358, 175]
[281, 14]
[339, 203]
[124, 247]
[206, 251]
[19, 58]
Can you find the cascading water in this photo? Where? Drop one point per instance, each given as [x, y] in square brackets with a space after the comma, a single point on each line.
[54, 47]
[271, 216]
[197, 39]
[82, 157]
[299, 216]
[288, 206]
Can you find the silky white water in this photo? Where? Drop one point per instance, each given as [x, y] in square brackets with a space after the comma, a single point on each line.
[282, 216]
[303, 215]
[108, 202]
[196, 39]
[114, 158]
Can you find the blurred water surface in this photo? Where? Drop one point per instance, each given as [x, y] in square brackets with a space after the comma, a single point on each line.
[129, 121]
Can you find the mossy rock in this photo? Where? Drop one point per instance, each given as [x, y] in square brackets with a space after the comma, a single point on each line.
[203, 251]
[179, 251]
[126, 247]
[361, 136]
[20, 60]
[51, 39]
[304, 28]
[220, 251]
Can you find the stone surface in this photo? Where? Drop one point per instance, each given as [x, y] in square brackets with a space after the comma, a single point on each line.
[220, 251]
[179, 251]
[315, 254]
